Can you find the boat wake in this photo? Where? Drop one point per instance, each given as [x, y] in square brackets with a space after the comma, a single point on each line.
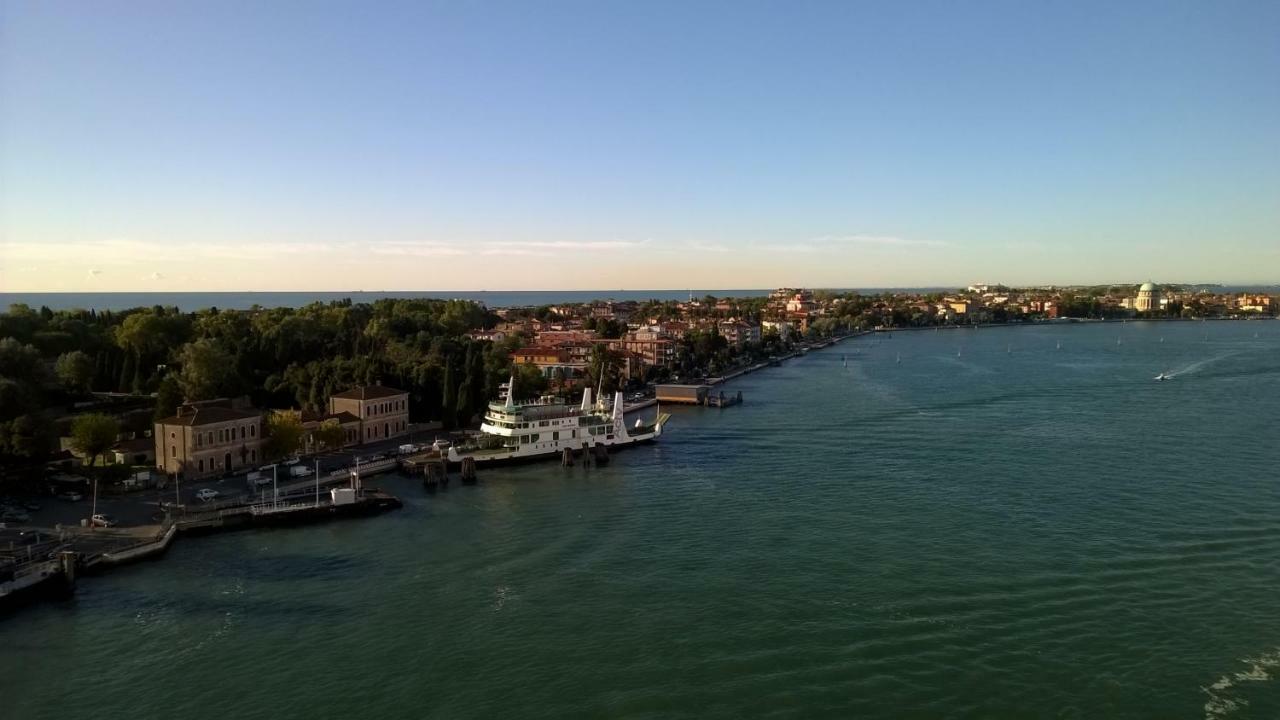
[1226, 696]
[1196, 366]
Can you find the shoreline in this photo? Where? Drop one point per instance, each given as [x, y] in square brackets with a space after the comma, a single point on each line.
[151, 542]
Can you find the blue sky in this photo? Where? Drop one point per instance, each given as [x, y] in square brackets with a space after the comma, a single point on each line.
[548, 145]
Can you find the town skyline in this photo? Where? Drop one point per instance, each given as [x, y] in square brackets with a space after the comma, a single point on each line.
[210, 148]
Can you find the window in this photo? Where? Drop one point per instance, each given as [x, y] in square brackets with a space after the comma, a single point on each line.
[242, 431]
[201, 466]
[199, 440]
[172, 435]
[253, 431]
[253, 456]
[173, 451]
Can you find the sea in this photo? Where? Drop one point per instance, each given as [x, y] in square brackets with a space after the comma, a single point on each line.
[1012, 522]
[192, 301]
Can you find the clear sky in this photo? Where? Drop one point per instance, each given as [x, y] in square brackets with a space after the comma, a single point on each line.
[229, 145]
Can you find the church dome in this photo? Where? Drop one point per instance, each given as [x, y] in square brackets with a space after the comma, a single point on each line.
[1147, 287]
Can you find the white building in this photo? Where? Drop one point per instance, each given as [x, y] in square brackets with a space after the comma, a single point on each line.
[1148, 298]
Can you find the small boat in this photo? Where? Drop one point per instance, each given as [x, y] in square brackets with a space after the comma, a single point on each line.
[899, 358]
[1164, 376]
[1059, 344]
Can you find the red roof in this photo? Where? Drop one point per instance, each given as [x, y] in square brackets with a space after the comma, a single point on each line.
[369, 392]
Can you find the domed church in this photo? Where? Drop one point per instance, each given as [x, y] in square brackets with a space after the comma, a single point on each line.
[1148, 298]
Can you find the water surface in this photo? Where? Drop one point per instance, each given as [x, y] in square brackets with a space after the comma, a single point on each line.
[956, 524]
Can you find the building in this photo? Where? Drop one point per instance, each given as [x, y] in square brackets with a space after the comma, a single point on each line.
[382, 412]
[139, 451]
[208, 440]
[346, 421]
[739, 333]
[1148, 298]
[784, 329]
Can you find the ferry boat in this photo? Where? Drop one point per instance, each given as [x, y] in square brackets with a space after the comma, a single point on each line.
[514, 431]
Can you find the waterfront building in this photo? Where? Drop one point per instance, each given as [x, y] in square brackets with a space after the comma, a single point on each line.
[1148, 299]
[784, 329]
[346, 421]
[207, 440]
[383, 412]
[739, 333]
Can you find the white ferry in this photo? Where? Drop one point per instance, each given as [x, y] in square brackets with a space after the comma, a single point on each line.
[544, 428]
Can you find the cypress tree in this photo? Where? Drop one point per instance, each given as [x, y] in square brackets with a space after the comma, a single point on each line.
[449, 402]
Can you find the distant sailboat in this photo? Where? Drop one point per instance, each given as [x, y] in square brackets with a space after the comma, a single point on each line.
[1009, 350]
[957, 352]
[899, 358]
[1119, 341]
[1059, 344]
[845, 360]
[1161, 338]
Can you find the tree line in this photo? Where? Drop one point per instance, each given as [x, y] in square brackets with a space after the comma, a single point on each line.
[277, 357]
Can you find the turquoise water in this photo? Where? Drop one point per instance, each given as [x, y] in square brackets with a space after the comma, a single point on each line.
[992, 527]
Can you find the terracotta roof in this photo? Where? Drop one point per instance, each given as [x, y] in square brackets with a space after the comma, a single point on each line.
[209, 416]
[369, 392]
[342, 418]
[135, 445]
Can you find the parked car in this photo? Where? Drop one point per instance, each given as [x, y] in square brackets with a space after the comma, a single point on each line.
[206, 495]
[70, 496]
[32, 506]
[14, 516]
[293, 461]
[101, 520]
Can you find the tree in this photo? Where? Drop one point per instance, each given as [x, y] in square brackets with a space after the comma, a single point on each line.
[328, 435]
[94, 434]
[530, 382]
[208, 370]
[449, 402]
[168, 397]
[75, 371]
[284, 433]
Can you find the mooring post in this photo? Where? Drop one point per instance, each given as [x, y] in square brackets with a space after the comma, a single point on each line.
[468, 470]
[566, 457]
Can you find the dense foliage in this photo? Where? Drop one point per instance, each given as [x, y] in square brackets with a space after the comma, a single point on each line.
[279, 358]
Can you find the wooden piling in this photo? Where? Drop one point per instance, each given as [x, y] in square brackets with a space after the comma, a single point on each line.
[468, 471]
[566, 457]
[436, 474]
[602, 455]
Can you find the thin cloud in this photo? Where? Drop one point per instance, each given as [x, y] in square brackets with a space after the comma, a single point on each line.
[95, 272]
[884, 240]
[156, 276]
[567, 244]
[518, 252]
[416, 249]
[713, 247]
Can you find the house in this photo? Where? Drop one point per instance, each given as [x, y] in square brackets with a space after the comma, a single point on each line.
[139, 451]
[739, 333]
[381, 412]
[347, 422]
[208, 440]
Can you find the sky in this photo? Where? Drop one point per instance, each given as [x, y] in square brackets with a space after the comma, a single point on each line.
[470, 145]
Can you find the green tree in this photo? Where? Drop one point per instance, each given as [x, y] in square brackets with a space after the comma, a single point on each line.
[94, 434]
[75, 371]
[208, 370]
[328, 435]
[168, 398]
[284, 433]
[449, 401]
[530, 382]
